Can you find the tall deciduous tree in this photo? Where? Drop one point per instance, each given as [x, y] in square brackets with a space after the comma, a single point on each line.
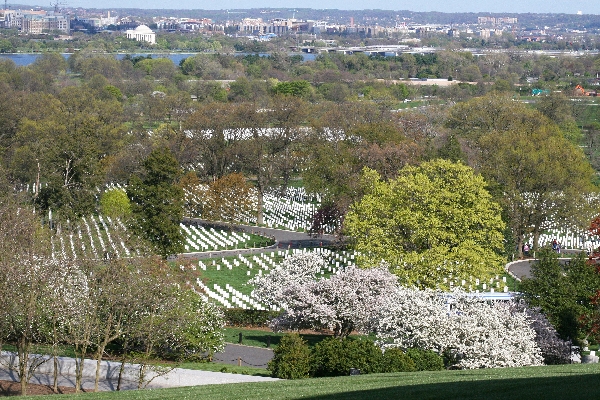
[157, 202]
[25, 268]
[229, 199]
[542, 180]
[431, 222]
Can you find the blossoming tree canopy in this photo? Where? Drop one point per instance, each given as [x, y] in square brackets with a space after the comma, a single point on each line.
[343, 302]
[433, 221]
[471, 332]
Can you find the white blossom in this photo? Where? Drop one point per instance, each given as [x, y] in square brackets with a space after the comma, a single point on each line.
[472, 332]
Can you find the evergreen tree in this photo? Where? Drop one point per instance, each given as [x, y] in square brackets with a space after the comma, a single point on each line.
[157, 203]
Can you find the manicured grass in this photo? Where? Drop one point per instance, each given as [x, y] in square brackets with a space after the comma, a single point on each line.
[220, 367]
[547, 383]
[236, 277]
[259, 338]
[63, 351]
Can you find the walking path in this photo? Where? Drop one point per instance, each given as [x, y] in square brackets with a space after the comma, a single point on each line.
[109, 373]
[236, 354]
[522, 268]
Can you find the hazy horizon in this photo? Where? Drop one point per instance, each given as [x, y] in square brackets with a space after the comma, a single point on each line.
[446, 6]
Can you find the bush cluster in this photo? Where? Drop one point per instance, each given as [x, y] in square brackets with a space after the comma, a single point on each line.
[242, 317]
[291, 359]
[334, 357]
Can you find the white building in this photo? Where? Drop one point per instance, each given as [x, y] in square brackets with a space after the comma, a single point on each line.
[142, 34]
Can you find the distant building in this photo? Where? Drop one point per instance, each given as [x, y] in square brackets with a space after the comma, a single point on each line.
[36, 22]
[141, 34]
[11, 19]
[496, 21]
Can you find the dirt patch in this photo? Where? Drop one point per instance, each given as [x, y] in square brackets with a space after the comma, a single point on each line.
[10, 388]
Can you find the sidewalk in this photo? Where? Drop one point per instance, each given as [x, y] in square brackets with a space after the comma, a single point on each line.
[109, 373]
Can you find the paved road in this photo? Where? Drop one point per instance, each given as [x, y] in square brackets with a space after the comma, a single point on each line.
[244, 355]
[283, 240]
[522, 268]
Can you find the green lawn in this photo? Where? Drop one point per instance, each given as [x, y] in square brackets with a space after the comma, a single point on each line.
[220, 367]
[258, 338]
[536, 383]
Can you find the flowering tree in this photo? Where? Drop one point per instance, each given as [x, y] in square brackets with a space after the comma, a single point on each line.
[25, 266]
[341, 303]
[471, 332]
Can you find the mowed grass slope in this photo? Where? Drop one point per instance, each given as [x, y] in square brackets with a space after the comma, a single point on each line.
[531, 383]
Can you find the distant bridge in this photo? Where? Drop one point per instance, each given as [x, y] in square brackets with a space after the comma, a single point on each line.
[380, 50]
[395, 50]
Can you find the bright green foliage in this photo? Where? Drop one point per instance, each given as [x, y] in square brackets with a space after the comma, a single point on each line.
[293, 88]
[426, 360]
[291, 358]
[563, 292]
[115, 204]
[431, 222]
[395, 360]
[114, 92]
[334, 357]
[157, 203]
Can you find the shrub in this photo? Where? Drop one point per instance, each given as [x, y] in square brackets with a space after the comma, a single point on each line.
[242, 317]
[334, 357]
[395, 360]
[426, 360]
[291, 359]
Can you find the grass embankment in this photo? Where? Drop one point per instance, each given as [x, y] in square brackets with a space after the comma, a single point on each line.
[260, 337]
[548, 383]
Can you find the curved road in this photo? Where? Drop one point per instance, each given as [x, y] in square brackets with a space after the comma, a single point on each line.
[522, 268]
[283, 239]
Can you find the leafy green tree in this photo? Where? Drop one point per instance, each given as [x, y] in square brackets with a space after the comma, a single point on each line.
[293, 88]
[563, 291]
[157, 202]
[541, 179]
[64, 145]
[557, 107]
[431, 222]
[114, 203]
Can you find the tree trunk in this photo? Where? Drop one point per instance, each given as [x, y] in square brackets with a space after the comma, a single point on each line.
[23, 354]
[98, 362]
[259, 213]
[122, 367]
[536, 239]
[520, 247]
[55, 357]
[121, 370]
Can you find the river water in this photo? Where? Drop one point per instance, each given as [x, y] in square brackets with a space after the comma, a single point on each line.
[22, 59]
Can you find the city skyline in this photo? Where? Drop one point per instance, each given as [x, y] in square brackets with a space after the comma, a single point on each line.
[447, 6]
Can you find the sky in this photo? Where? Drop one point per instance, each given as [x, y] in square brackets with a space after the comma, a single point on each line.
[492, 6]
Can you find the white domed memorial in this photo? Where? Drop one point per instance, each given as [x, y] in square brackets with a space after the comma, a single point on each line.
[141, 34]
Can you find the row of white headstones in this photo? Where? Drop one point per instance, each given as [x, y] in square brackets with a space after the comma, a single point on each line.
[258, 264]
[225, 294]
[294, 210]
[201, 239]
[89, 238]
